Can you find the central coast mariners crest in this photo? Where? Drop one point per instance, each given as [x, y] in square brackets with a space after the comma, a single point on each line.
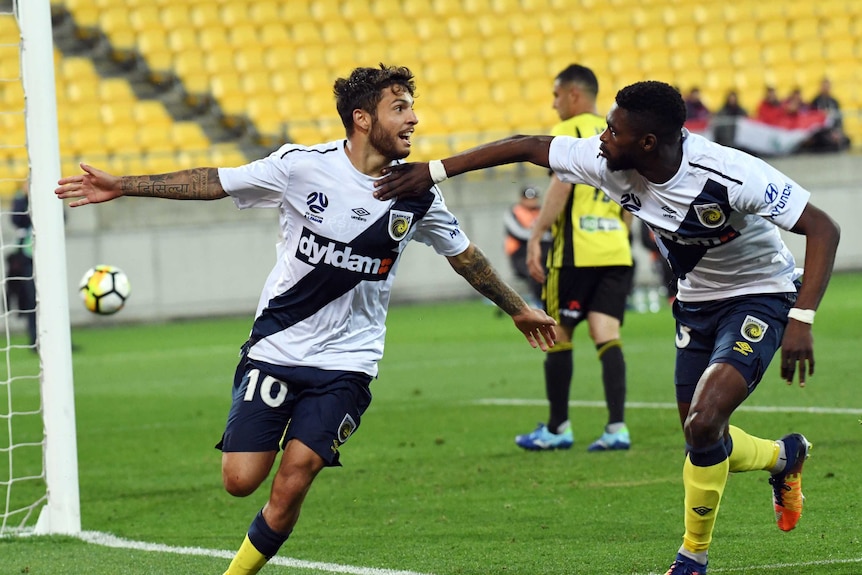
[753, 329]
[399, 224]
[710, 215]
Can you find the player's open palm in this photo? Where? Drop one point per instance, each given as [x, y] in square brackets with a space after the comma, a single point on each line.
[92, 187]
[537, 327]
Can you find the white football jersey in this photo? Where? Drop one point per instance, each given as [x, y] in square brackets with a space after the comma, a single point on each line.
[324, 303]
[714, 220]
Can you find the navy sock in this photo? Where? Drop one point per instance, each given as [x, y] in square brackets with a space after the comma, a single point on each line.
[264, 539]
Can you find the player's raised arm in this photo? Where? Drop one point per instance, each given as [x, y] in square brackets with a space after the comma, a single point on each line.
[536, 325]
[415, 179]
[95, 186]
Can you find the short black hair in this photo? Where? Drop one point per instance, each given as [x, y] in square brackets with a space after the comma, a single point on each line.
[363, 90]
[581, 75]
[658, 107]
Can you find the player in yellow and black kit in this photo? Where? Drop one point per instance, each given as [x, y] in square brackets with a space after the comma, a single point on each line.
[589, 276]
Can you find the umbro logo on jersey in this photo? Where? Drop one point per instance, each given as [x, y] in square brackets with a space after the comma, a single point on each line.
[669, 212]
[317, 250]
[361, 212]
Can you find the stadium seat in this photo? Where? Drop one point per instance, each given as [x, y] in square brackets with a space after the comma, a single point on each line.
[773, 31]
[242, 34]
[218, 60]
[274, 35]
[121, 138]
[204, 15]
[145, 17]
[250, 58]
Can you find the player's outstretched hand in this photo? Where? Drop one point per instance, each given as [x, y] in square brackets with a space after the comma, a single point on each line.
[797, 350]
[537, 327]
[404, 180]
[92, 187]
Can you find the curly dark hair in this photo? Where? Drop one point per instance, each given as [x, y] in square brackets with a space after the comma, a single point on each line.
[581, 75]
[658, 107]
[363, 90]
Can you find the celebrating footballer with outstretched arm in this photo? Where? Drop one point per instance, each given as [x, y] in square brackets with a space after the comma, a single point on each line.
[716, 214]
[303, 381]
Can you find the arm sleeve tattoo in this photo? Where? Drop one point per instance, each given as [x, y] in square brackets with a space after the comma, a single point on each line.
[192, 184]
[473, 266]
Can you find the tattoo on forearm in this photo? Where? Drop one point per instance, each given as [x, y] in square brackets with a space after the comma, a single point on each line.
[193, 184]
[483, 277]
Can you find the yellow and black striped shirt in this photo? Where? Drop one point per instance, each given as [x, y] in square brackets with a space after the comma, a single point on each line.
[590, 231]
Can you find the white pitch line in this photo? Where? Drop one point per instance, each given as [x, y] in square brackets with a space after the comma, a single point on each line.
[109, 540]
[646, 405]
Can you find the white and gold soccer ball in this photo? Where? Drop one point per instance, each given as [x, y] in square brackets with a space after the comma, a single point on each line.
[105, 289]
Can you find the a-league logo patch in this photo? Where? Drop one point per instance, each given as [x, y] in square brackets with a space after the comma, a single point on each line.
[399, 224]
[346, 428]
[710, 215]
[753, 329]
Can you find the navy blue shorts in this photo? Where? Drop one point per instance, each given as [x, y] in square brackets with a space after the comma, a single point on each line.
[743, 331]
[571, 293]
[273, 404]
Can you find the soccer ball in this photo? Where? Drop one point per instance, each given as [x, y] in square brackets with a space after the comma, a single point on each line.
[105, 289]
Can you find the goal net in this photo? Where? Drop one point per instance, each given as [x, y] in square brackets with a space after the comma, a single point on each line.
[38, 450]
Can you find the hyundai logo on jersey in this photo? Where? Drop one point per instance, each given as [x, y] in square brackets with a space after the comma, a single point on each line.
[771, 194]
[782, 201]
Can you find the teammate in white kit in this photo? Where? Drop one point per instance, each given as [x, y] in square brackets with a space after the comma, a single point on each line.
[320, 324]
[715, 212]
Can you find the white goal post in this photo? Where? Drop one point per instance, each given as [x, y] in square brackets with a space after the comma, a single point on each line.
[60, 504]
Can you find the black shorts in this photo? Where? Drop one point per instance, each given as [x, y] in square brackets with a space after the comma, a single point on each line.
[571, 293]
[273, 404]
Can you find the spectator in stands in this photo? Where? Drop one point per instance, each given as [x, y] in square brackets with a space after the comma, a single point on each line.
[697, 114]
[518, 224]
[302, 383]
[770, 110]
[832, 138]
[20, 285]
[724, 130]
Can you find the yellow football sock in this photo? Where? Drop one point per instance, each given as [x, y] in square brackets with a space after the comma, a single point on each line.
[751, 453]
[703, 489]
[247, 561]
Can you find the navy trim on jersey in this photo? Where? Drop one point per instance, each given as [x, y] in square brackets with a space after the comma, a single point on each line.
[327, 283]
[315, 150]
[688, 244]
[716, 172]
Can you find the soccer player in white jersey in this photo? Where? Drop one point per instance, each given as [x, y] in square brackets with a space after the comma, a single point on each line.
[319, 328]
[715, 212]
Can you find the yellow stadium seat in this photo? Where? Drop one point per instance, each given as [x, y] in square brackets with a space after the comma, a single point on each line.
[244, 34]
[274, 35]
[507, 91]
[116, 91]
[188, 136]
[336, 32]
[145, 17]
[86, 140]
[656, 62]
[175, 15]
[651, 38]
[305, 33]
[714, 57]
[742, 33]
[218, 60]
[462, 26]
[711, 33]
[122, 139]
[773, 31]
[309, 57]
[234, 13]
[808, 51]
[500, 69]
[683, 36]
[255, 82]
[151, 40]
[495, 28]
[466, 49]
[497, 47]
[151, 113]
[367, 30]
[804, 29]
[266, 11]
[212, 38]
[204, 15]
[250, 58]
[777, 54]
[768, 10]
[115, 19]
[839, 48]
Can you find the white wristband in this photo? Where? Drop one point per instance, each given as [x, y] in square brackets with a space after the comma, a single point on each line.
[803, 315]
[438, 172]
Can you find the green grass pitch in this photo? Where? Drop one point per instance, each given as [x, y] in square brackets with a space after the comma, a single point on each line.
[432, 482]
